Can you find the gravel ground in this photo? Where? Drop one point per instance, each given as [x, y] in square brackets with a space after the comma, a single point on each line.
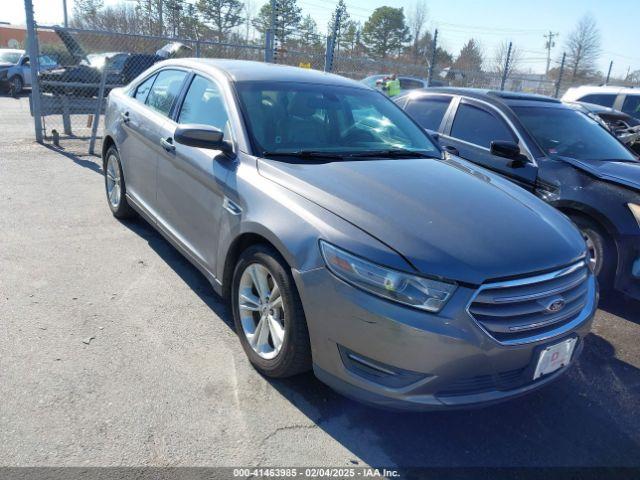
[115, 351]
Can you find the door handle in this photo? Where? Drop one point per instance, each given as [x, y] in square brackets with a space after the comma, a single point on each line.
[125, 117]
[167, 144]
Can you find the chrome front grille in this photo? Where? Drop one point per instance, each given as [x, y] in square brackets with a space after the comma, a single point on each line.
[522, 308]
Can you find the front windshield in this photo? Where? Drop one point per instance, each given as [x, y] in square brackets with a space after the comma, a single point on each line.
[568, 133]
[10, 57]
[294, 117]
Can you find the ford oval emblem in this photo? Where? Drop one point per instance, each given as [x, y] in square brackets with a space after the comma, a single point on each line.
[556, 305]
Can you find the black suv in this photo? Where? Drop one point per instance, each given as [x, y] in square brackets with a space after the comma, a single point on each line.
[563, 156]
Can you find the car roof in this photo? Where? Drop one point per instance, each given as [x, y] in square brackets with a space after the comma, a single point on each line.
[575, 93]
[498, 98]
[247, 71]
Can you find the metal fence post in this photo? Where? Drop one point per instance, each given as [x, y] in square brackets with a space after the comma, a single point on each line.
[328, 56]
[433, 58]
[505, 73]
[331, 43]
[198, 49]
[34, 66]
[270, 34]
[98, 111]
[609, 73]
[560, 73]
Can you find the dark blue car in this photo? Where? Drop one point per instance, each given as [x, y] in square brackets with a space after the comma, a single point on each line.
[563, 156]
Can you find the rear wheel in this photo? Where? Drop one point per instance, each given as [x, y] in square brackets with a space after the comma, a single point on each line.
[600, 249]
[17, 85]
[115, 187]
[268, 314]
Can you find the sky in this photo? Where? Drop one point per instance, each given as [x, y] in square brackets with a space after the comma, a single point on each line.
[524, 22]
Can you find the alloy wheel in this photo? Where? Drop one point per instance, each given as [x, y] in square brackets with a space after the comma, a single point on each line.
[261, 310]
[592, 251]
[114, 190]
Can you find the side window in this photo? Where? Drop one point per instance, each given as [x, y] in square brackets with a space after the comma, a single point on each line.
[410, 84]
[143, 89]
[631, 105]
[479, 127]
[165, 90]
[428, 112]
[203, 104]
[604, 99]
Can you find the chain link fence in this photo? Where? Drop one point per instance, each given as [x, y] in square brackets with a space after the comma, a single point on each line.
[77, 68]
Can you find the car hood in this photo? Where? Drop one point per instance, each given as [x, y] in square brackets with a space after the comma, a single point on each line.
[6, 65]
[623, 173]
[74, 48]
[446, 217]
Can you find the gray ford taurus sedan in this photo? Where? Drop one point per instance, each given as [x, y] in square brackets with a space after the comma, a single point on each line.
[343, 239]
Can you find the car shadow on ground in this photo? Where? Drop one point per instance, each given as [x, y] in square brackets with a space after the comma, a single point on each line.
[588, 418]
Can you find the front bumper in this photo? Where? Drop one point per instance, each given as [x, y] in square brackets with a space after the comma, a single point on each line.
[628, 274]
[432, 361]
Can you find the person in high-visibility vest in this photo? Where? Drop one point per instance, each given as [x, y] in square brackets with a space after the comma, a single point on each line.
[392, 86]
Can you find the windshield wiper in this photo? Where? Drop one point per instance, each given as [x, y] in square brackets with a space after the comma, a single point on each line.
[392, 153]
[304, 154]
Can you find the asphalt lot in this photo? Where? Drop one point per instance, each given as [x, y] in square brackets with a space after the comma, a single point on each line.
[115, 351]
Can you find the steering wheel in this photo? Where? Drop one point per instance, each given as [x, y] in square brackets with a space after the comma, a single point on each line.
[355, 134]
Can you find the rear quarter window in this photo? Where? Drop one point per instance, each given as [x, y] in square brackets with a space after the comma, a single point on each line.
[428, 112]
[604, 99]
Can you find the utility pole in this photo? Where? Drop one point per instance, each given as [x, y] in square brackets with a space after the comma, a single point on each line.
[564, 57]
[505, 73]
[609, 73]
[549, 45]
[432, 63]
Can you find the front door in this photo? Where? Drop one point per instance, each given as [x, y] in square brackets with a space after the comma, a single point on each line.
[190, 179]
[473, 129]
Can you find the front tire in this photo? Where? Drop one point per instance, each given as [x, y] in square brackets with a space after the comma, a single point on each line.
[268, 314]
[601, 251]
[17, 84]
[115, 186]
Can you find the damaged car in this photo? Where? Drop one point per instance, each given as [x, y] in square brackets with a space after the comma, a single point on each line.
[622, 125]
[15, 70]
[563, 156]
[83, 78]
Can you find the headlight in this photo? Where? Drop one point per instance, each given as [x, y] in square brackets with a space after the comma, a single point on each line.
[418, 292]
[635, 210]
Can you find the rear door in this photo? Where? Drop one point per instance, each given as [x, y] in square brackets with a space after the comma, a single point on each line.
[190, 179]
[473, 127]
[147, 111]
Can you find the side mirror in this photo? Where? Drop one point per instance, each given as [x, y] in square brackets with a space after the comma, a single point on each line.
[451, 150]
[202, 136]
[508, 150]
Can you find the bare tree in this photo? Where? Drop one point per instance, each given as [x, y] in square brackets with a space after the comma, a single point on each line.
[500, 59]
[417, 21]
[583, 48]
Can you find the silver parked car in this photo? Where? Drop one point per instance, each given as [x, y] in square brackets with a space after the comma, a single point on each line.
[342, 238]
[15, 71]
